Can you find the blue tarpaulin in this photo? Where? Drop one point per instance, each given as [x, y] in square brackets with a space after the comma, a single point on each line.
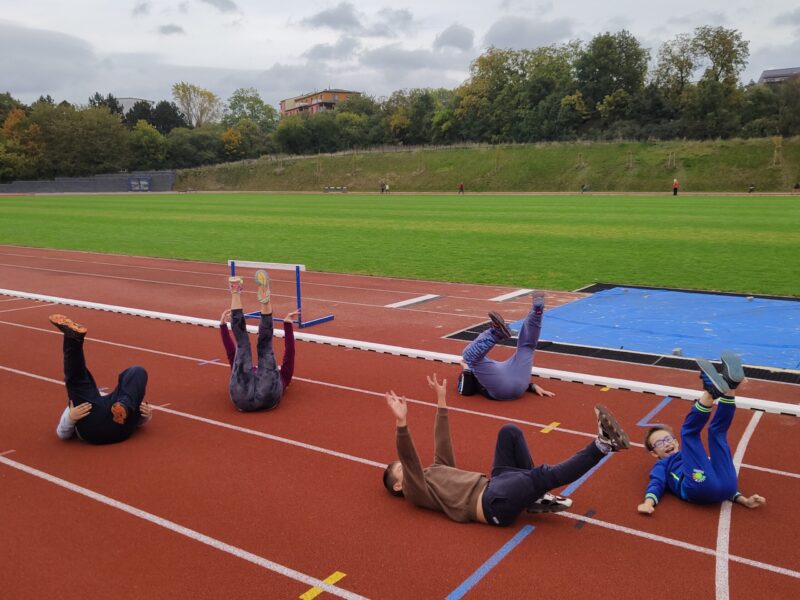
[765, 332]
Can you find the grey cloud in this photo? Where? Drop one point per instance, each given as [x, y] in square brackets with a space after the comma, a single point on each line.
[170, 29]
[456, 36]
[519, 32]
[788, 18]
[141, 8]
[391, 22]
[183, 7]
[341, 17]
[394, 57]
[698, 19]
[224, 6]
[343, 49]
[771, 57]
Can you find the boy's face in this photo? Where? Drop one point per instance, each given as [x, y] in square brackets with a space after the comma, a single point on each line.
[663, 443]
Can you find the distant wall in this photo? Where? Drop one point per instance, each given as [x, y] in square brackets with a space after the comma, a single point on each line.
[161, 181]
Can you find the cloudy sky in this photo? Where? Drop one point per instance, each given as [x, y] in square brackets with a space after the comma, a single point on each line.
[139, 48]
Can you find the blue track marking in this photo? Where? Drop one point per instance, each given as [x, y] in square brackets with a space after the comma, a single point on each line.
[570, 489]
[645, 422]
[490, 564]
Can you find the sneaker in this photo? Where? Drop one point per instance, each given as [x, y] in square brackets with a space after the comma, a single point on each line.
[119, 413]
[609, 431]
[68, 327]
[236, 284]
[538, 301]
[550, 503]
[732, 371]
[499, 324]
[262, 279]
[713, 382]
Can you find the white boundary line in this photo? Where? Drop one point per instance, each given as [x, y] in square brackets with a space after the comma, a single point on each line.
[504, 419]
[417, 300]
[587, 379]
[724, 527]
[184, 531]
[39, 305]
[511, 295]
[575, 516]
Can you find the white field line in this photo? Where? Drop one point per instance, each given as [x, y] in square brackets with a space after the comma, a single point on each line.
[337, 386]
[575, 516]
[208, 287]
[724, 527]
[587, 379]
[511, 295]
[410, 301]
[38, 305]
[221, 266]
[184, 531]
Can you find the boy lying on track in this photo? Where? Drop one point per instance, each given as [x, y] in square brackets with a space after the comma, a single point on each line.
[516, 485]
[90, 415]
[691, 474]
[260, 387]
[510, 379]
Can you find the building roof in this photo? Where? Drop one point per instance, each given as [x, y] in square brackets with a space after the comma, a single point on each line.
[334, 90]
[779, 74]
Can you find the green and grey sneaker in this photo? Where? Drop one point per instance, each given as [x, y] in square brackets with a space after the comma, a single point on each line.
[732, 370]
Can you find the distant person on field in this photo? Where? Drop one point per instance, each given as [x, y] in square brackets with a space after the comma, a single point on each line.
[383, 187]
[515, 486]
[386, 187]
[691, 473]
[511, 378]
[256, 388]
[91, 416]
[797, 187]
[461, 188]
[675, 187]
[751, 188]
[584, 188]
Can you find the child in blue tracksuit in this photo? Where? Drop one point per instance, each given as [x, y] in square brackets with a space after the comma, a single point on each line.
[690, 473]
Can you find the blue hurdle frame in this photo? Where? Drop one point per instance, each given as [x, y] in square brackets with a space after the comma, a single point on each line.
[300, 323]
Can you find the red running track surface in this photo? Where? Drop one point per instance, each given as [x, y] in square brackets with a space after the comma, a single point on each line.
[243, 480]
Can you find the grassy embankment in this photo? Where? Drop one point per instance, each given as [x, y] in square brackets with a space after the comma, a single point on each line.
[743, 244]
[716, 166]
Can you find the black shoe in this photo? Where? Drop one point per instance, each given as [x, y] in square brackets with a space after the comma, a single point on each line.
[68, 327]
[732, 371]
[609, 430]
[499, 324]
[713, 382]
[550, 503]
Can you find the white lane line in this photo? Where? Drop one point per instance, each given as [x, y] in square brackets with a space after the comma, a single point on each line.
[11, 300]
[583, 378]
[39, 305]
[184, 531]
[724, 527]
[467, 411]
[417, 300]
[6, 452]
[371, 463]
[679, 544]
[511, 295]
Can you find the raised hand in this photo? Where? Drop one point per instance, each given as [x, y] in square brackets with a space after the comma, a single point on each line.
[291, 316]
[76, 413]
[441, 389]
[398, 406]
[226, 316]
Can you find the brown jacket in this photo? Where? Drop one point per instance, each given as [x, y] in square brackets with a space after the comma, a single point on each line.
[441, 486]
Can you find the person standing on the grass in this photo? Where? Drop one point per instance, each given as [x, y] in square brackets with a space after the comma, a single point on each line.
[675, 187]
[509, 379]
[461, 189]
[691, 474]
[516, 485]
[91, 416]
[256, 388]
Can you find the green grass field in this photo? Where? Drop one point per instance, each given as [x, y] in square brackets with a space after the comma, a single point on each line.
[741, 244]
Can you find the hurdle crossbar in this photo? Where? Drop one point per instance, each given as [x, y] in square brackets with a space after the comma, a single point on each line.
[770, 406]
[298, 294]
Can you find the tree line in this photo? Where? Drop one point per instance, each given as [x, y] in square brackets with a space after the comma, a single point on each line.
[608, 88]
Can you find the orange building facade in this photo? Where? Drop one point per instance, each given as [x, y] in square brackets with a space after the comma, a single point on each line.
[314, 102]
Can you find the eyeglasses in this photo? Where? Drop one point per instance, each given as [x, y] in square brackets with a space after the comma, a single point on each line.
[658, 444]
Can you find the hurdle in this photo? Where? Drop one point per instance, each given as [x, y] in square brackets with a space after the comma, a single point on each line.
[232, 263]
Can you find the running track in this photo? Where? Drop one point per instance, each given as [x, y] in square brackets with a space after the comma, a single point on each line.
[207, 502]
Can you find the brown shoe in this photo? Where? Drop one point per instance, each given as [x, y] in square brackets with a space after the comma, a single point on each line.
[609, 431]
[119, 413]
[499, 323]
[69, 327]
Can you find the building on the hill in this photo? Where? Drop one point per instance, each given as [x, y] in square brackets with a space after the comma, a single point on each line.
[315, 101]
[779, 75]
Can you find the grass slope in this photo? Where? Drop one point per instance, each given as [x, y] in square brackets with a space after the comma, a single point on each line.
[719, 166]
[744, 244]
